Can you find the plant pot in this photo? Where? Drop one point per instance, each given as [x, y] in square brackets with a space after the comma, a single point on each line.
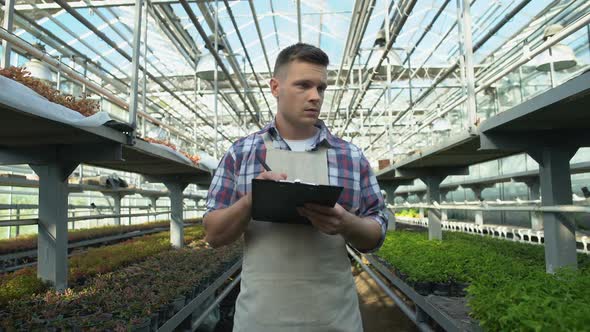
[442, 288]
[197, 289]
[402, 275]
[423, 288]
[162, 314]
[154, 321]
[142, 326]
[392, 271]
[459, 288]
[188, 297]
[178, 304]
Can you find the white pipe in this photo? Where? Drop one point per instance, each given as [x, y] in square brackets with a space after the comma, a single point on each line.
[551, 208]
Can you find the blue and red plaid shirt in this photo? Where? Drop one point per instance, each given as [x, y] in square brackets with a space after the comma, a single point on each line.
[347, 167]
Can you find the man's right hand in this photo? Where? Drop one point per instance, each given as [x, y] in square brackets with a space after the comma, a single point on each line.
[225, 226]
[265, 175]
[272, 176]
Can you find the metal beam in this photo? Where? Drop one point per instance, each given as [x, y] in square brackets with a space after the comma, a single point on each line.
[258, 83]
[467, 50]
[205, 10]
[61, 153]
[413, 49]
[94, 4]
[501, 70]
[255, 18]
[299, 20]
[7, 25]
[353, 40]
[396, 26]
[220, 63]
[136, 53]
[64, 4]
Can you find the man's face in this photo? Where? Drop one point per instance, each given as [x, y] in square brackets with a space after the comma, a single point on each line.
[299, 88]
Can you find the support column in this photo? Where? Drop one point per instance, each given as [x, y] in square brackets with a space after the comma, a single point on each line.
[534, 186]
[154, 201]
[17, 231]
[390, 199]
[52, 241]
[433, 195]
[556, 186]
[421, 197]
[117, 197]
[444, 213]
[478, 214]
[176, 222]
[478, 190]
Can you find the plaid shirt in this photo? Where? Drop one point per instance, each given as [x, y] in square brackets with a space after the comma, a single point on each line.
[347, 167]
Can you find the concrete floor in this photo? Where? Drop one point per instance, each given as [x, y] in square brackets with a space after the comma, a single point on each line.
[378, 311]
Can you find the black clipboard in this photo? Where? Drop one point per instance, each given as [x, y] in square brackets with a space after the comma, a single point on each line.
[276, 201]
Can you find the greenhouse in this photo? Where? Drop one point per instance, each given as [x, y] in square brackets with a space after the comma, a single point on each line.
[294, 166]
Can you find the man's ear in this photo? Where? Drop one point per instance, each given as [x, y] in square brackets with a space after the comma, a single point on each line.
[274, 87]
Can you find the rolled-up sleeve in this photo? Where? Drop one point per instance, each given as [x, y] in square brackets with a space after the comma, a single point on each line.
[372, 204]
[222, 191]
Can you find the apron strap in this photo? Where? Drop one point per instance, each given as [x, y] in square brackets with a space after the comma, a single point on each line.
[269, 143]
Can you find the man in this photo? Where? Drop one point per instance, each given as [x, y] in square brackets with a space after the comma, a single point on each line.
[297, 277]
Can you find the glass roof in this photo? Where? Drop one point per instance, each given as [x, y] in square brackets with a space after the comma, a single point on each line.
[374, 108]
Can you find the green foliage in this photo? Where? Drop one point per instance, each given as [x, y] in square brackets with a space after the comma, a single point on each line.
[94, 261]
[411, 213]
[20, 284]
[116, 300]
[509, 289]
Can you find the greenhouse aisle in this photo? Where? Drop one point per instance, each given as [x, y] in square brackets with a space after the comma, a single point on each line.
[378, 311]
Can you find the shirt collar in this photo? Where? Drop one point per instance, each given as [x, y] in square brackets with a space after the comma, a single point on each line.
[325, 135]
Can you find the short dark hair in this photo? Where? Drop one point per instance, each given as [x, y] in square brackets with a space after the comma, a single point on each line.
[302, 52]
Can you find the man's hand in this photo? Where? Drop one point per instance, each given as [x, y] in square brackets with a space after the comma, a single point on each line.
[265, 175]
[362, 233]
[272, 176]
[329, 220]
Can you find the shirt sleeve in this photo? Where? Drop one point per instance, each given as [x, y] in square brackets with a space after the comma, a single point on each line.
[372, 204]
[222, 191]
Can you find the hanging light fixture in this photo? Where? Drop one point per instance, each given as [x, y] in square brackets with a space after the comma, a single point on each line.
[38, 68]
[562, 56]
[206, 65]
[391, 58]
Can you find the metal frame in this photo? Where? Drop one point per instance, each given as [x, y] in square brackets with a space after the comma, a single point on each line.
[85, 243]
[422, 309]
[185, 312]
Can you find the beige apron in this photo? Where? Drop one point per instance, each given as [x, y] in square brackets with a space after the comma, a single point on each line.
[295, 278]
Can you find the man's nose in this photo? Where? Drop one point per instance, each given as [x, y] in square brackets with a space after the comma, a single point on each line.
[314, 94]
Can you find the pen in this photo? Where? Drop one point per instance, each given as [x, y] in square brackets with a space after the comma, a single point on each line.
[263, 163]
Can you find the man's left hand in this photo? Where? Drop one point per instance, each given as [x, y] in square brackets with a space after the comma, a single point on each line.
[329, 220]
